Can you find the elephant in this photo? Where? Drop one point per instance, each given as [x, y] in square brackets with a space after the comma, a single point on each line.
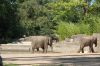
[54, 38]
[40, 42]
[87, 41]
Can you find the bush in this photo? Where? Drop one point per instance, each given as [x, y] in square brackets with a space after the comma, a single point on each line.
[84, 28]
[67, 29]
[98, 27]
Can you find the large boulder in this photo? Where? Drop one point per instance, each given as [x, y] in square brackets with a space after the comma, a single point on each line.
[76, 38]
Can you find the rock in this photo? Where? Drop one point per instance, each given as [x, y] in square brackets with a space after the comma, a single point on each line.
[76, 38]
[97, 35]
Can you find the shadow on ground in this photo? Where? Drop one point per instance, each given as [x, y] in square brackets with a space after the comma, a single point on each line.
[81, 61]
[64, 60]
[1, 63]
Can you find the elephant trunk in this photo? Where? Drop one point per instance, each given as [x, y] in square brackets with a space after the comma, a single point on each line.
[95, 42]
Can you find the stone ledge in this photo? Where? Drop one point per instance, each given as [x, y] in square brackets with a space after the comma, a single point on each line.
[25, 46]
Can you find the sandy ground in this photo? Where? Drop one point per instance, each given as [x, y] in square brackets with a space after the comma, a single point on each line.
[86, 59]
[64, 54]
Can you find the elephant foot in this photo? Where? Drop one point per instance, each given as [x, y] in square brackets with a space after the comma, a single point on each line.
[80, 52]
[94, 52]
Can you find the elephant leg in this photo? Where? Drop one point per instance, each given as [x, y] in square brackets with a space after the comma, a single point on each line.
[82, 50]
[51, 48]
[92, 49]
[33, 49]
[43, 49]
[37, 49]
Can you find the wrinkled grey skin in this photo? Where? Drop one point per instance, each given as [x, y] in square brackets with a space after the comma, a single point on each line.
[87, 41]
[39, 42]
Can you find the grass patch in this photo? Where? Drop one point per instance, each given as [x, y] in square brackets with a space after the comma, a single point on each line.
[11, 65]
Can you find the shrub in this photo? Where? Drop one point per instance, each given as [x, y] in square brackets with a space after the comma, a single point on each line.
[67, 29]
[84, 28]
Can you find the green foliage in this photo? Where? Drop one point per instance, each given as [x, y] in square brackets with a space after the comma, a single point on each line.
[97, 28]
[84, 28]
[67, 29]
[35, 18]
[65, 11]
[47, 17]
[9, 22]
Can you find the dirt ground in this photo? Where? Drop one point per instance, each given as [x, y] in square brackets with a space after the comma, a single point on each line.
[64, 54]
[60, 47]
[52, 59]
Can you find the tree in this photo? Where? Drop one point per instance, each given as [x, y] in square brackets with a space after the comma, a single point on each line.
[35, 17]
[47, 17]
[9, 21]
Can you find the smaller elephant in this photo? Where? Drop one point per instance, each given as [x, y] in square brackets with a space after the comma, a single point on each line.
[87, 41]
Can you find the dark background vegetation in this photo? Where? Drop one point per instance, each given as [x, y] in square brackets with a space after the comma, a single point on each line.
[48, 17]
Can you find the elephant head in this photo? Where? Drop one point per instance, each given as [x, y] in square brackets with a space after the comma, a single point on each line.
[55, 38]
[94, 40]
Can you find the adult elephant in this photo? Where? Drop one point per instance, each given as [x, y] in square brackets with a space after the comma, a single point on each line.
[40, 42]
[87, 41]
